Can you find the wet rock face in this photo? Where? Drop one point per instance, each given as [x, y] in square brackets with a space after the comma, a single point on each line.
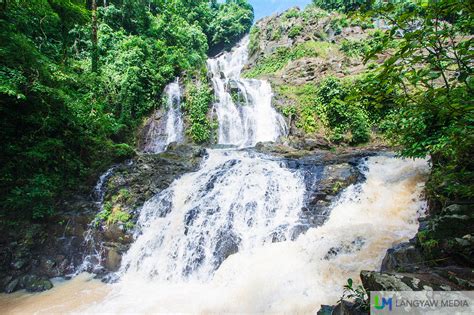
[148, 174]
[154, 127]
[403, 257]
[325, 175]
[33, 253]
[30, 283]
[380, 281]
[455, 220]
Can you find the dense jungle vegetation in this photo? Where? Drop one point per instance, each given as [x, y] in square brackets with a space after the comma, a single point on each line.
[77, 77]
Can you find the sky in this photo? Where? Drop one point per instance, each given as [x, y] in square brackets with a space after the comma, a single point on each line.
[268, 7]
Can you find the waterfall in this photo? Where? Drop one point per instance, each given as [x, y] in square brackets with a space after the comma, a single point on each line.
[237, 201]
[243, 106]
[219, 240]
[170, 128]
[93, 249]
[228, 238]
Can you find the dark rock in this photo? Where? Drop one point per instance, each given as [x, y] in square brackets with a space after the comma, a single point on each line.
[298, 230]
[453, 221]
[309, 144]
[12, 286]
[377, 281]
[325, 310]
[347, 308]
[403, 257]
[345, 247]
[380, 281]
[113, 233]
[113, 259]
[34, 283]
[4, 281]
[19, 264]
[227, 245]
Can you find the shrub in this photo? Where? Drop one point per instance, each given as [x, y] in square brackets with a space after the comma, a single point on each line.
[295, 31]
[196, 105]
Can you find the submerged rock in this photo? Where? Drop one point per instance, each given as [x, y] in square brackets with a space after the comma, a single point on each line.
[11, 286]
[34, 283]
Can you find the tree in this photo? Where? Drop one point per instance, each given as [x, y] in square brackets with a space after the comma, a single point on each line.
[232, 20]
[431, 64]
[95, 54]
[343, 5]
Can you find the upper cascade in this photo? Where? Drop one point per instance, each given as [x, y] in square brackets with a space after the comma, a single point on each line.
[171, 127]
[243, 106]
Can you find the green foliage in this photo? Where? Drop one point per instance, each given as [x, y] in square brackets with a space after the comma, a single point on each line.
[358, 294]
[60, 124]
[431, 66]
[347, 120]
[232, 20]
[291, 13]
[328, 108]
[295, 31]
[361, 48]
[111, 214]
[289, 111]
[196, 106]
[343, 5]
[253, 40]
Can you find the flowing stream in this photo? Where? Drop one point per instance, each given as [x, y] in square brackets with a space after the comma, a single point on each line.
[226, 238]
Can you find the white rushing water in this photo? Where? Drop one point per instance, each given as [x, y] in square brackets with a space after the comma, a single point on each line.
[171, 127]
[243, 106]
[172, 265]
[236, 201]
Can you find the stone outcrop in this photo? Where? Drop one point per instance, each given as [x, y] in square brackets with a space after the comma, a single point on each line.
[294, 27]
[383, 281]
[403, 257]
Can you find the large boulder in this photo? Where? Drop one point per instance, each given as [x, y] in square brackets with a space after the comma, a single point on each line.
[382, 281]
[403, 257]
[34, 283]
[453, 221]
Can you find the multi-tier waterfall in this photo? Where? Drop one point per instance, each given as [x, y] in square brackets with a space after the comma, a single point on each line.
[225, 239]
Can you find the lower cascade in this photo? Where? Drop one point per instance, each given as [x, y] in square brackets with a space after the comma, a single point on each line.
[207, 244]
[237, 201]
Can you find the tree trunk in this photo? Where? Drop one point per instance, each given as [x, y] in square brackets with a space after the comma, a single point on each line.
[95, 54]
